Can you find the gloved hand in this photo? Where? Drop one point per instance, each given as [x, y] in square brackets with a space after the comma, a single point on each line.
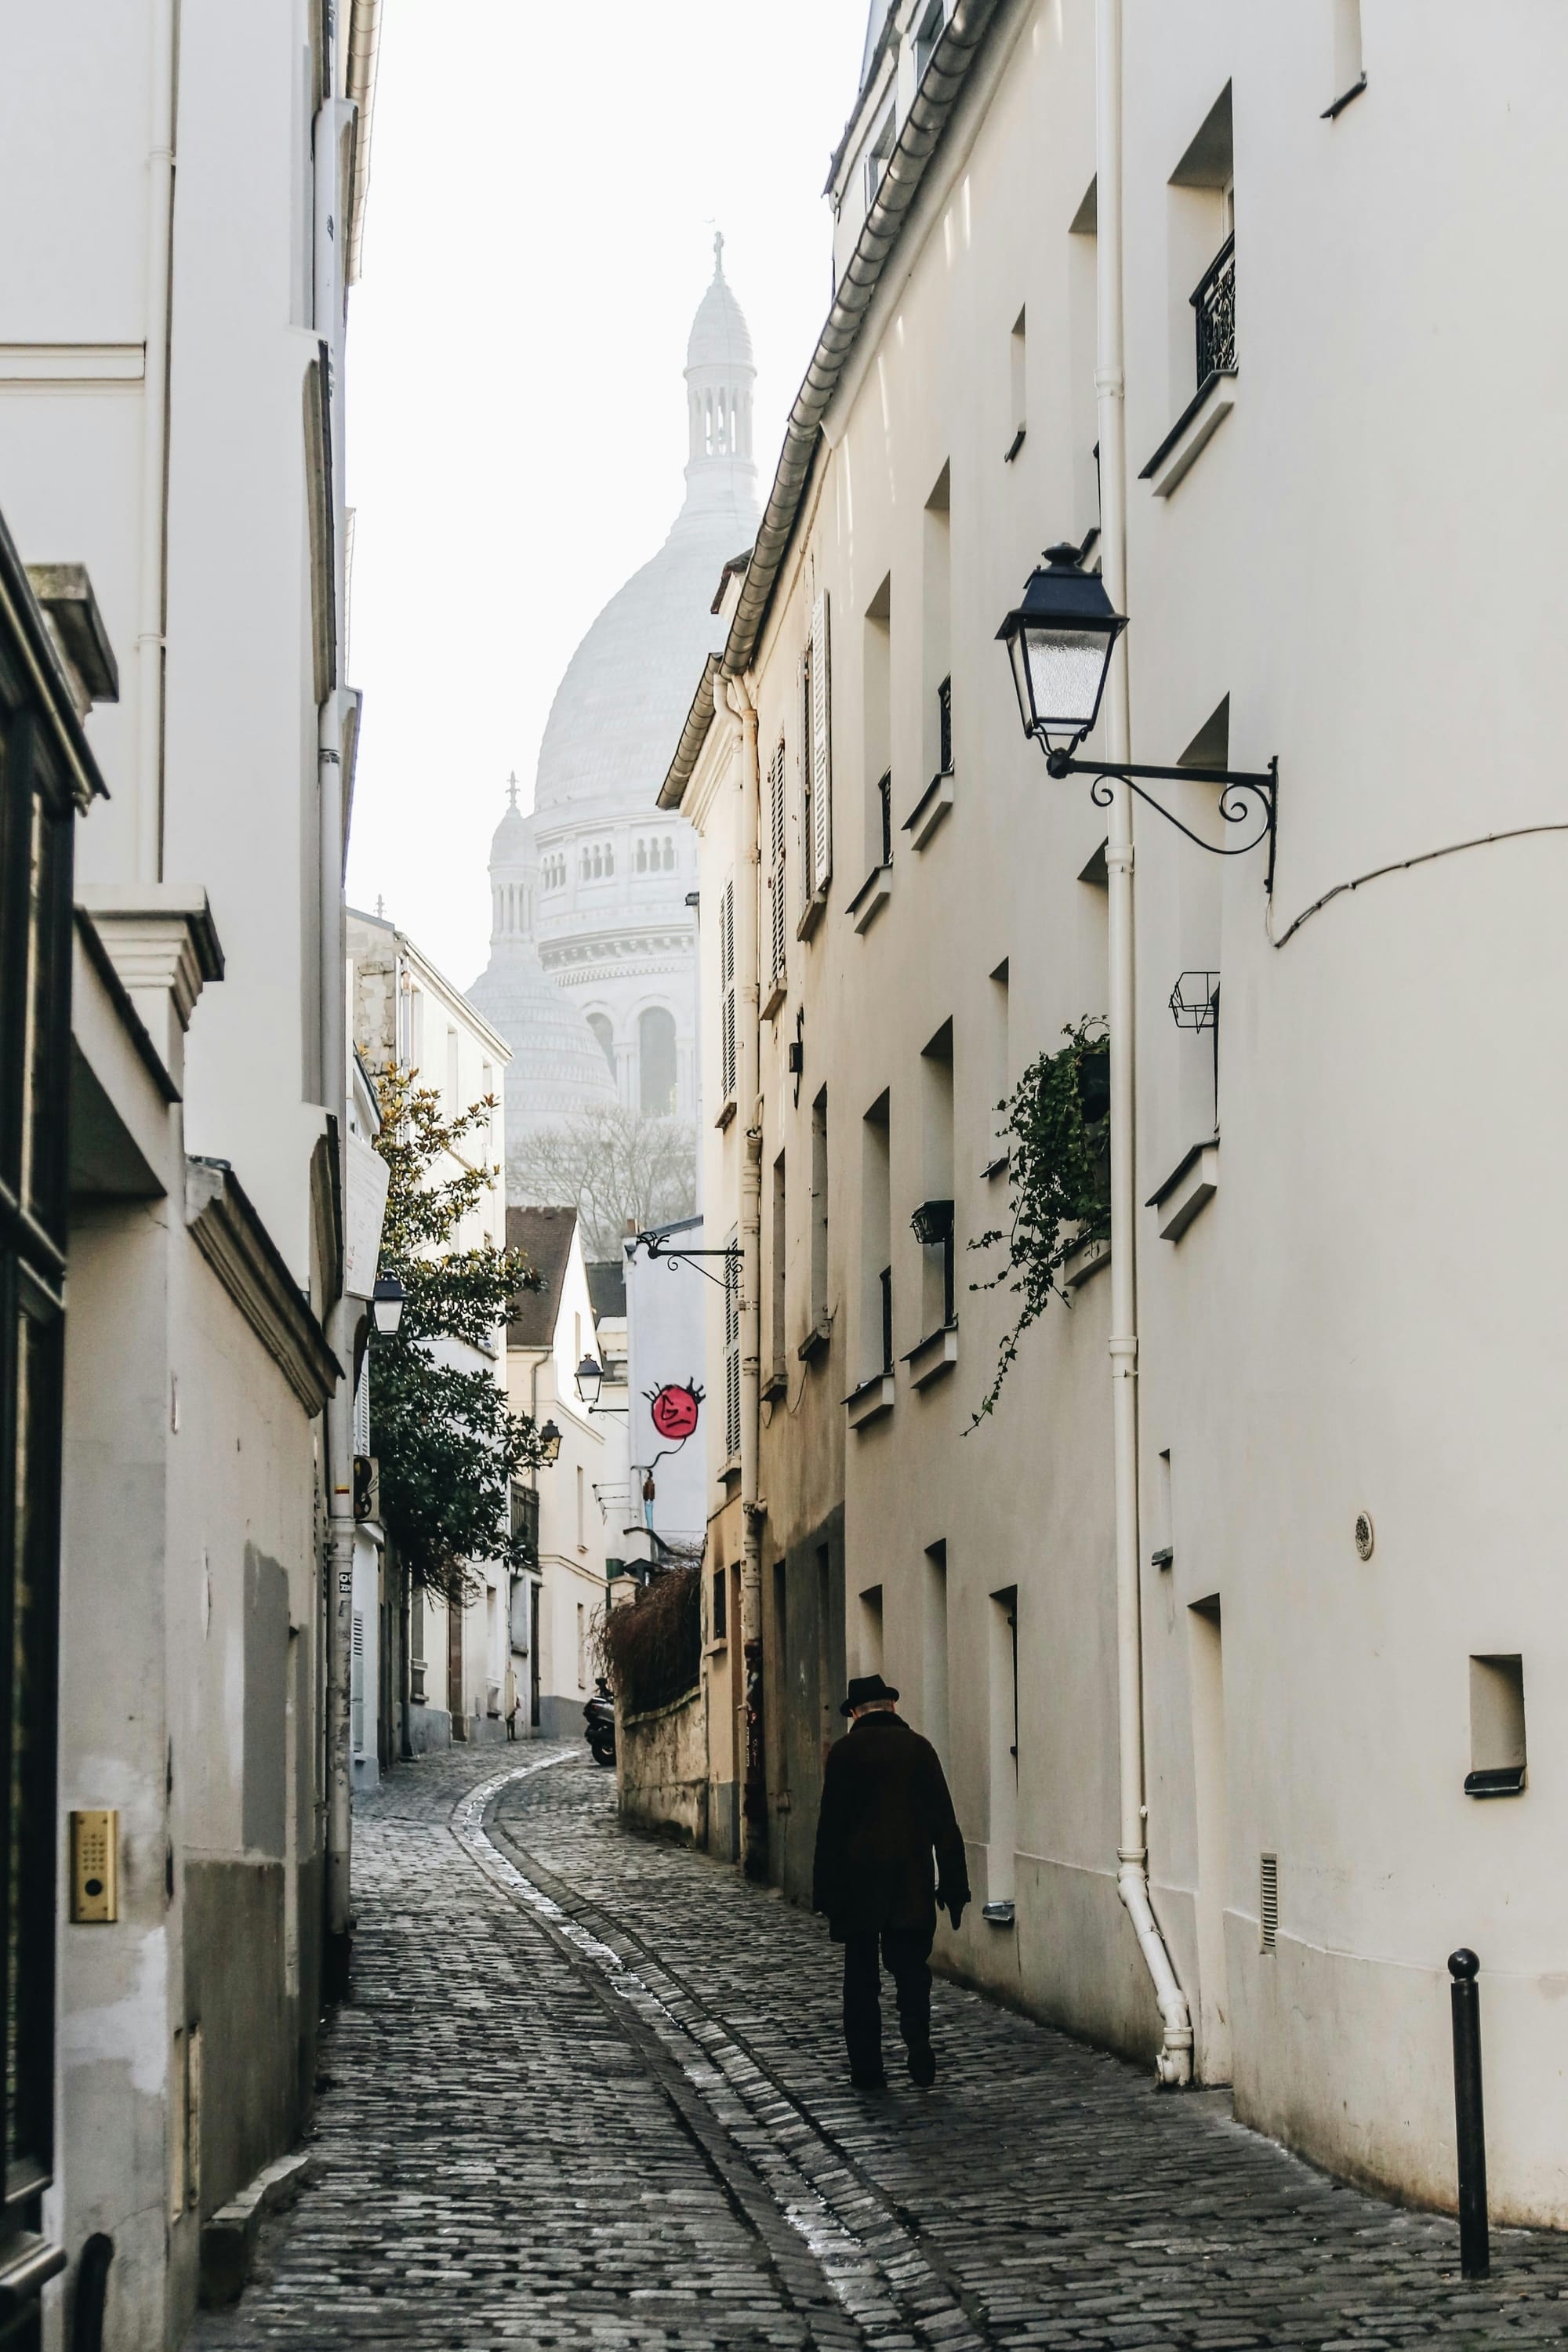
[953, 1905]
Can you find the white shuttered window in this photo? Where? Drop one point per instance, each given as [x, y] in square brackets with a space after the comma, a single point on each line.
[776, 865]
[727, 991]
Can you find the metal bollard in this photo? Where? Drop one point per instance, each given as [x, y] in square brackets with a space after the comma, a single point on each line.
[1474, 2250]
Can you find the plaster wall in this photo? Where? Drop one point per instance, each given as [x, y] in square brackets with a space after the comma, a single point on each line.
[1324, 1338]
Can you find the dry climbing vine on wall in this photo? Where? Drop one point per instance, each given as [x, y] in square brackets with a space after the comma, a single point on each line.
[1056, 1126]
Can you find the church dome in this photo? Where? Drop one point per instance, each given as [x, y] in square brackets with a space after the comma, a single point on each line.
[618, 710]
[556, 1067]
[510, 845]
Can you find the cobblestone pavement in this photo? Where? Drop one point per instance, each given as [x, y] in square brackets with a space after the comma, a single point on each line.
[590, 2094]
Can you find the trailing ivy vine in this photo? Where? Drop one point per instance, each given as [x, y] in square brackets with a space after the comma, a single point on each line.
[1056, 1126]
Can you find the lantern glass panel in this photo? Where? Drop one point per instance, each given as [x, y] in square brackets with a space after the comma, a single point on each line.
[1067, 671]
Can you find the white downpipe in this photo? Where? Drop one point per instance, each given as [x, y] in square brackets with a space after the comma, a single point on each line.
[329, 316]
[748, 1069]
[150, 596]
[1175, 2058]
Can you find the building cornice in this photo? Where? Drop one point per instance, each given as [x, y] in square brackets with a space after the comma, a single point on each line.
[226, 1228]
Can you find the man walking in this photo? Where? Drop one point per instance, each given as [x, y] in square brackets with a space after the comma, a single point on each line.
[885, 1807]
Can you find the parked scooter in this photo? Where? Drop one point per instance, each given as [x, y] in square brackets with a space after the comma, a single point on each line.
[599, 1729]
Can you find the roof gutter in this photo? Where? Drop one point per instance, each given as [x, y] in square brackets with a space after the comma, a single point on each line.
[364, 46]
[693, 735]
[938, 95]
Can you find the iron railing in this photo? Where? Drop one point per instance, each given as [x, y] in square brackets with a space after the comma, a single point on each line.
[885, 800]
[1214, 305]
[944, 725]
[886, 1279]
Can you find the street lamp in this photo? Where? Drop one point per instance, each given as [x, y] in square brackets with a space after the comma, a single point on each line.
[590, 1378]
[387, 1305]
[549, 1442]
[1059, 639]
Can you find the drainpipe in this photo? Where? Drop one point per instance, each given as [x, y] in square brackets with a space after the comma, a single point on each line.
[748, 1072]
[1175, 2058]
[334, 1078]
[151, 588]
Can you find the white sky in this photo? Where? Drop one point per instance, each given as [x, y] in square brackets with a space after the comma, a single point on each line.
[546, 181]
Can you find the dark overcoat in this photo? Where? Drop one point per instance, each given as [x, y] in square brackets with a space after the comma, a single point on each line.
[885, 1810]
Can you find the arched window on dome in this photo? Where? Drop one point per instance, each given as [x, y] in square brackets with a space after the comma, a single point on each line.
[668, 855]
[656, 1062]
[599, 1023]
[587, 866]
[642, 856]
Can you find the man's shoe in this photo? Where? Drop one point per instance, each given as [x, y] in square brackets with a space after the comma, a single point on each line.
[867, 2082]
[923, 2067]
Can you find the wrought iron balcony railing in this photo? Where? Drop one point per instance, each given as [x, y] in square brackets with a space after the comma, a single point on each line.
[1213, 304]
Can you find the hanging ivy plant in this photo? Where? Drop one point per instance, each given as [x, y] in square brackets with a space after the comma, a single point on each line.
[1056, 1126]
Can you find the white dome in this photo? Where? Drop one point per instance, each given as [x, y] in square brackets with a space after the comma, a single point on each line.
[556, 1067]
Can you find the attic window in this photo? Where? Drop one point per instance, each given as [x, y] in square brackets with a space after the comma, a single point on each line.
[877, 154]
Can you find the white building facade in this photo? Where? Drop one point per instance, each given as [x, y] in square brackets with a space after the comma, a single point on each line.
[1302, 1667]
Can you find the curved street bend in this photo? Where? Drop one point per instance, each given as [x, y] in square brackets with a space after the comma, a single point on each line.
[589, 2093]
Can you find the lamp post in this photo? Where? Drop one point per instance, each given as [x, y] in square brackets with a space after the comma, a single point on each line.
[549, 1444]
[589, 1378]
[1060, 637]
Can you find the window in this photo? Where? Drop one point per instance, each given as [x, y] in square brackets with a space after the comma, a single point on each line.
[452, 1069]
[1203, 239]
[1083, 329]
[670, 856]
[1019, 385]
[871, 1630]
[819, 1213]
[1004, 1759]
[937, 1256]
[727, 993]
[875, 702]
[656, 1062]
[641, 866]
[582, 1647]
[779, 1241]
[927, 34]
[815, 757]
[775, 846]
[581, 1507]
[718, 1619]
[996, 1091]
[732, 1352]
[599, 1023]
[881, 147]
[876, 1244]
[1496, 1727]
[417, 1027]
[936, 650]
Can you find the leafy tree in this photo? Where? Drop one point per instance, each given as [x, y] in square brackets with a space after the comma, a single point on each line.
[1057, 1126]
[616, 1165]
[448, 1444]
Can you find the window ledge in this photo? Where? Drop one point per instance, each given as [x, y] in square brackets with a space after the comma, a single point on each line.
[1496, 1780]
[811, 913]
[1189, 1186]
[1191, 433]
[937, 1353]
[816, 1341]
[1332, 113]
[871, 898]
[871, 1399]
[930, 809]
[778, 989]
[995, 1168]
[1015, 445]
[776, 1385]
[1084, 1259]
[726, 1115]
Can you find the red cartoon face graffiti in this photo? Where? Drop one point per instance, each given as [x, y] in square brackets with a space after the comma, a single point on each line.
[674, 1411]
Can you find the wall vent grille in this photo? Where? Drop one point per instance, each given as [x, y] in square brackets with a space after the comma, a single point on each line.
[1267, 1901]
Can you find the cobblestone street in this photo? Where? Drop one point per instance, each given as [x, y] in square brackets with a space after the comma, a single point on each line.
[589, 2093]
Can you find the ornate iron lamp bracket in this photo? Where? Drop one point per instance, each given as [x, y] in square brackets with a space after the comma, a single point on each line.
[1245, 795]
[657, 1246]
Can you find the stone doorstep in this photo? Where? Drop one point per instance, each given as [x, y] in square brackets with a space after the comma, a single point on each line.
[228, 2238]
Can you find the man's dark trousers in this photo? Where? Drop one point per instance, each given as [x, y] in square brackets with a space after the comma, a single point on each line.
[906, 1954]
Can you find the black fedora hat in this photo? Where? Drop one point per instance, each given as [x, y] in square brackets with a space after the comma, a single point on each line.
[865, 1690]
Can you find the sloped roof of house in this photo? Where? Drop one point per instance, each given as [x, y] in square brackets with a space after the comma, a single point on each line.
[544, 1238]
[607, 1285]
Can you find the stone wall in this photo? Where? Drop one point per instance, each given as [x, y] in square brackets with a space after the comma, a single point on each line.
[661, 1765]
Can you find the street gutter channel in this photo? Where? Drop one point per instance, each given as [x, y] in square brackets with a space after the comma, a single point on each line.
[873, 2266]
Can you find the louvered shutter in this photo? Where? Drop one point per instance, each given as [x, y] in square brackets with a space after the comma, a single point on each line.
[807, 881]
[777, 864]
[356, 1686]
[821, 747]
[727, 989]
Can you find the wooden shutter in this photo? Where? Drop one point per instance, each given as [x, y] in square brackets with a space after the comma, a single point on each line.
[807, 882]
[727, 990]
[821, 747]
[777, 864]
